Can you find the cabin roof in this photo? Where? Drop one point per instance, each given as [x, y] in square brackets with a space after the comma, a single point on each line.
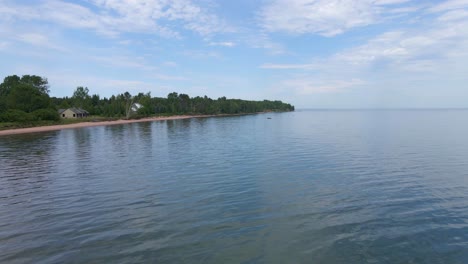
[74, 110]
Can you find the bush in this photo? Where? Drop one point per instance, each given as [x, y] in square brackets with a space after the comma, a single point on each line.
[46, 114]
[16, 116]
[3, 105]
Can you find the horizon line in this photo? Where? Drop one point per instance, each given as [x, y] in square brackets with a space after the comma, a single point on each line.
[382, 109]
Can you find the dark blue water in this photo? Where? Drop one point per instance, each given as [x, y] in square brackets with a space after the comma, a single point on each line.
[302, 187]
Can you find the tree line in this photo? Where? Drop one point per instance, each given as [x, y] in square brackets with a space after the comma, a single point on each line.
[27, 98]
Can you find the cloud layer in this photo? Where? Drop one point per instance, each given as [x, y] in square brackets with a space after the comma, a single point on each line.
[112, 17]
[326, 17]
[304, 51]
[433, 49]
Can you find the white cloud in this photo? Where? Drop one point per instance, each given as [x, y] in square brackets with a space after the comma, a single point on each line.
[288, 66]
[166, 77]
[308, 86]
[39, 40]
[124, 62]
[454, 15]
[263, 41]
[449, 5]
[324, 17]
[223, 44]
[431, 51]
[401, 49]
[118, 16]
[389, 2]
[147, 14]
[10, 11]
[201, 54]
[138, 63]
[170, 64]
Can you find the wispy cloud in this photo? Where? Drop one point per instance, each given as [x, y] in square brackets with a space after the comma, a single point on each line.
[123, 62]
[308, 86]
[138, 63]
[428, 51]
[399, 48]
[167, 77]
[150, 14]
[111, 18]
[437, 40]
[324, 17]
[288, 66]
[201, 54]
[263, 41]
[228, 44]
[169, 64]
[449, 5]
[39, 40]
[454, 15]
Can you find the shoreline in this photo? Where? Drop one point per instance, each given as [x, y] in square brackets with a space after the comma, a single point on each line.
[39, 129]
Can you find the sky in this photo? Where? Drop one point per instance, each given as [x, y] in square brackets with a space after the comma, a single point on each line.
[311, 53]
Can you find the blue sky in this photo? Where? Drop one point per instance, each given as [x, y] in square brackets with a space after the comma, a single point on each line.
[311, 53]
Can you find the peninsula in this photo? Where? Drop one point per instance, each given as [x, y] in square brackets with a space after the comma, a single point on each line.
[27, 107]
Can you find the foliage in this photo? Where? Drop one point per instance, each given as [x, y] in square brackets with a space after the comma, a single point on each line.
[46, 114]
[8, 83]
[13, 115]
[39, 83]
[26, 98]
[3, 104]
[81, 96]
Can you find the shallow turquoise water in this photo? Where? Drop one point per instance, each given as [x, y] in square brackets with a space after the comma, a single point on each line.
[301, 187]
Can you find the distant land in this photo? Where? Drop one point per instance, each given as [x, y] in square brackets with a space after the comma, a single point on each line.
[25, 102]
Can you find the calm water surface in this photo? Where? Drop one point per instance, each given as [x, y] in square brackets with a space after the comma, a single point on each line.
[302, 187]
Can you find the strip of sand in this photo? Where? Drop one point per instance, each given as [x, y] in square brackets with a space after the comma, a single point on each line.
[91, 124]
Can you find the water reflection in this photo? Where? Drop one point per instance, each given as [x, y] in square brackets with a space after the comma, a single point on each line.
[26, 162]
[27, 150]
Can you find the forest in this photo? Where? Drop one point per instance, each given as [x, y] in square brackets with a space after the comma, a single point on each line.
[27, 99]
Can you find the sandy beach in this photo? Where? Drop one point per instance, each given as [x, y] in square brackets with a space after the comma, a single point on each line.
[91, 124]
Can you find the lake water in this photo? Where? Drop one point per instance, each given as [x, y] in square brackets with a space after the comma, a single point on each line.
[301, 187]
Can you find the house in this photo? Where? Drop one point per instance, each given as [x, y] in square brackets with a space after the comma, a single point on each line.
[73, 113]
[135, 107]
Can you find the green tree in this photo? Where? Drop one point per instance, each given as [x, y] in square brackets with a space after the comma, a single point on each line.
[8, 83]
[184, 103]
[96, 106]
[147, 106]
[37, 82]
[173, 102]
[81, 96]
[3, 104]
[27, 98]
[128, 98]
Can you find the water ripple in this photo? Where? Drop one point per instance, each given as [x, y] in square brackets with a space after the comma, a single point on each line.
[309, 186]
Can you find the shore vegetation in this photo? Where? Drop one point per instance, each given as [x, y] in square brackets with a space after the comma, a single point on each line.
[25, 102]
